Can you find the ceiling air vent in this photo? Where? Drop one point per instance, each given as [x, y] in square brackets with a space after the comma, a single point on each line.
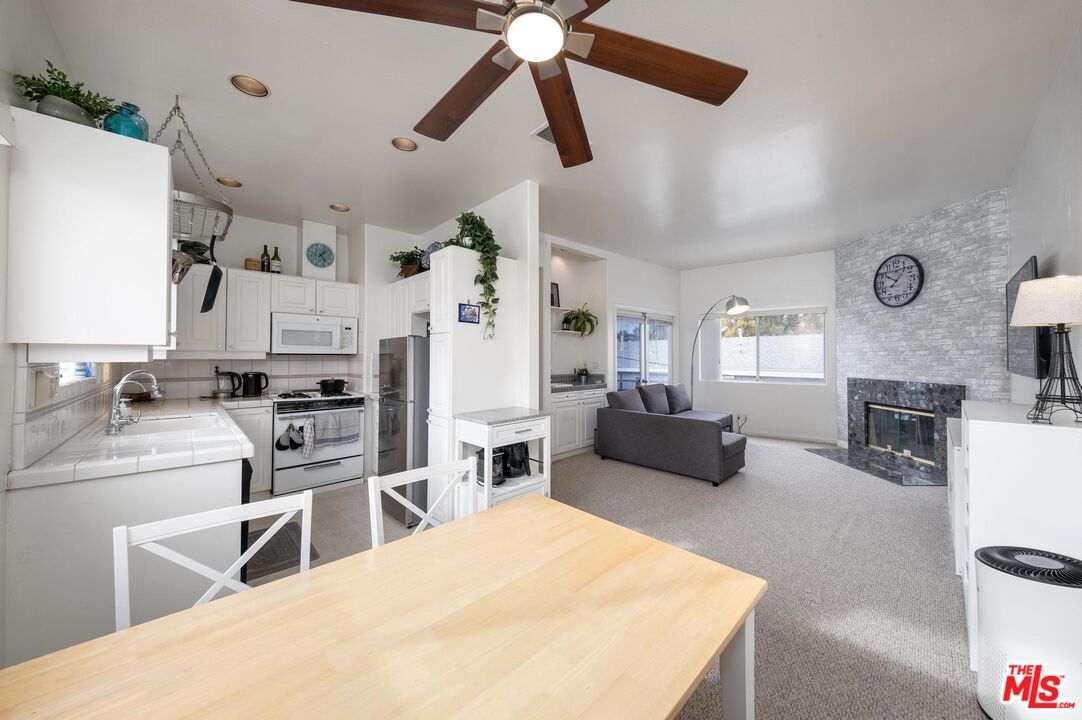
[545, 133]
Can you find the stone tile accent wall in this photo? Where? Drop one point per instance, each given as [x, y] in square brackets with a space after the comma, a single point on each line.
[955, 331]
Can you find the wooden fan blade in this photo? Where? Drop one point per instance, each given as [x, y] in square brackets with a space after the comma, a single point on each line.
[466, 96]
[456, 13]
[665, 67]
[562, 110]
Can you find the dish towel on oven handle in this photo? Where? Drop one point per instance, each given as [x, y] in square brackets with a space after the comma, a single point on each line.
[307, 428]
[337, 428]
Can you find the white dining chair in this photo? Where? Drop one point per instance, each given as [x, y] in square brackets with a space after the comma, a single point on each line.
[461, 476]
[147, 536]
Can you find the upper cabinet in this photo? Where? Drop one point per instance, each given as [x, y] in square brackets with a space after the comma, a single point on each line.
[200, 332]
[307, 296]
[293, 294]
[335, 298]
[89, 246]
[248, 309]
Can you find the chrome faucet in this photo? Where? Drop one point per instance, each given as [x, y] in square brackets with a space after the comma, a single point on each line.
[120, 414]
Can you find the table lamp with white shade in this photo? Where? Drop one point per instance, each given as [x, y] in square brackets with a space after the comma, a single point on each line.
[1057, 303]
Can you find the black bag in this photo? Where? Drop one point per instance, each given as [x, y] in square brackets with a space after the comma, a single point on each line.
[516, 460]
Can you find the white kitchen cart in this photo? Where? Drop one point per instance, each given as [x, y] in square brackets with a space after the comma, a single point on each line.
[489, 430]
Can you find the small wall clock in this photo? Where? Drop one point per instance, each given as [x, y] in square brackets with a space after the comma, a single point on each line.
[898, 281]
[320, 255]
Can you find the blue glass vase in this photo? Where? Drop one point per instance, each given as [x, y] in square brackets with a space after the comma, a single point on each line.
[127, 121]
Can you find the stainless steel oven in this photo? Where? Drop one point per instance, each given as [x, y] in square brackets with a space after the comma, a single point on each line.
[291, 471]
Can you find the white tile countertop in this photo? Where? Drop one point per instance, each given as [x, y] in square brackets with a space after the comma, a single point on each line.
[500, 416]
[142, 447]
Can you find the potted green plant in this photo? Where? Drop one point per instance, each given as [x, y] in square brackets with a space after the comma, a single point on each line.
[409, 261]
[474, 233]
[583, 375]
[59, 97]
[582, 320]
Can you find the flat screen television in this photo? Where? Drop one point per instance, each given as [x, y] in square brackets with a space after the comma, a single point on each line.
[1027, 347]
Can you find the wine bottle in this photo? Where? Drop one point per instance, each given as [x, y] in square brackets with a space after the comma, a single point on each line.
[264, 260]
[276, 262]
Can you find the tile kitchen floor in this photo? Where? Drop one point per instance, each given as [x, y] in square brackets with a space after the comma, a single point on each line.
[340, 527]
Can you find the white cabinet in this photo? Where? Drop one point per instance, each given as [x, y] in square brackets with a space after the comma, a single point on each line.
[567, 435]
[419, 293]
[472, 437]
[335, 298]
[258, 425]
[440, 375]
[293, 294]
[575, 419]
[88, 258]
[196, 331]
[399, 318]
[589, 420]
[439, 440]
[248, 303]
[440, 288]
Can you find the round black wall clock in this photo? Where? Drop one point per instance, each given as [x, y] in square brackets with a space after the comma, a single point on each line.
[898, 281]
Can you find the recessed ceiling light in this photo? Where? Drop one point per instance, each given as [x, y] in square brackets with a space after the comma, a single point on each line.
[404, 144]
[339, 207]
[229, 182]
[249, 86]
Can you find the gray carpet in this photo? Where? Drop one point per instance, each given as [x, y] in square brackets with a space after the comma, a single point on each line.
[863, 617]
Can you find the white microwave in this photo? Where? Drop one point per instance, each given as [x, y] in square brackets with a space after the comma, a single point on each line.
[293, 334]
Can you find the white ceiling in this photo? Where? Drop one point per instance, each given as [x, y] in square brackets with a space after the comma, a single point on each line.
[856, 115]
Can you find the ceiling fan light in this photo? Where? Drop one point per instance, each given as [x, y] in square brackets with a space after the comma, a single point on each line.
[535, 36]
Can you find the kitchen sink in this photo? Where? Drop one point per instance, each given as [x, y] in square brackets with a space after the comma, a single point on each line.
[168, 425]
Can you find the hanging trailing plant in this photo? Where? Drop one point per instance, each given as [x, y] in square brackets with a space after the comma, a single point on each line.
[582, 320]
[475, 234]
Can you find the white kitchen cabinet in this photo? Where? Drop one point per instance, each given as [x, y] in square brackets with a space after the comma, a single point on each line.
[293, 294]
[440, 288]
[567, 421]
[196, 331]
[248, 304]
[88, 258]
[335, 298]
[258, 425]
[439, 440]
[575, 419]
[399, 318]
[440, 375]
[589, 420]
[419, 293]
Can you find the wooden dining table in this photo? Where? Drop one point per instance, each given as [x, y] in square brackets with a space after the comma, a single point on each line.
[531, 610]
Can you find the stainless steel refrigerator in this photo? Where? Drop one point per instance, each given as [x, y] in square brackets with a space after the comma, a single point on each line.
[403, 415]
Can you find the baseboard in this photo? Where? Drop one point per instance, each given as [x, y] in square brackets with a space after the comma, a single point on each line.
[572, 453]
[794, 438]
[843, 444]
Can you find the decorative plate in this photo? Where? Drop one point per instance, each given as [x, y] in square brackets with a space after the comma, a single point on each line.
[426, 263]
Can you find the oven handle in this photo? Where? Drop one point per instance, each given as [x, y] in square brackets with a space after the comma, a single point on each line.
[309, 468]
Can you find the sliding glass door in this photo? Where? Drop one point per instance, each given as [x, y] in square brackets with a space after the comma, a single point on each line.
[644, 349]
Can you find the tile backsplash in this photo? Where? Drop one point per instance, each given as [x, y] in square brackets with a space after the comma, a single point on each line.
[195, 378]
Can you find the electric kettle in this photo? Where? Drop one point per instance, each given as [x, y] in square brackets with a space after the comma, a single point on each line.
[253, 383]
[226, 384]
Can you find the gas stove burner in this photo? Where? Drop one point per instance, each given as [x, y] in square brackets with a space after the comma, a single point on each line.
[335, 394]
[294, 396]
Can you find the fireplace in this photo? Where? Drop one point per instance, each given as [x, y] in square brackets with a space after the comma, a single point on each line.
[897, 430]
[905, 432]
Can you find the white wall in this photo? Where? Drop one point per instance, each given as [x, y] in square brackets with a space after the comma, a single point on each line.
[27, 38]
[805, 412]
[247, 236]
[582, 281]
[1046, 189]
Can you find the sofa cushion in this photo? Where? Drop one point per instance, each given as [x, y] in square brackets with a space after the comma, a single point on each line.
[678, 398]
[654, 398]
[725, 419]
[733, 444]
[626, 400]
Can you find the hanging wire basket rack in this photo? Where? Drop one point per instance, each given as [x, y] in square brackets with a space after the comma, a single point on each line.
[196, 218]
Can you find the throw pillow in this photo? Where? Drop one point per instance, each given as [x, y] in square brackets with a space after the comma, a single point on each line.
[678, 398]
[626, 400]
[653, 397]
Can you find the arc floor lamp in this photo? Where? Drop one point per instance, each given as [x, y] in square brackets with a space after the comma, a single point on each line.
[734, 305]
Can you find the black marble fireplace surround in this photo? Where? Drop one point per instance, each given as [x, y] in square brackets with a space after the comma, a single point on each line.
[943, 400]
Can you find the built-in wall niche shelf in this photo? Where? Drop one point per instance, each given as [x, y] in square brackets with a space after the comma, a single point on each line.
[561, 309]
[567, 332]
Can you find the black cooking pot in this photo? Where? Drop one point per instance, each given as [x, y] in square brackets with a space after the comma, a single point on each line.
[332, 386]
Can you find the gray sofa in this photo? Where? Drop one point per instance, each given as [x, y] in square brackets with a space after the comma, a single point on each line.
[654, 426]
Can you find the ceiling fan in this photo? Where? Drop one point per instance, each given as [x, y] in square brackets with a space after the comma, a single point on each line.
[545, 33]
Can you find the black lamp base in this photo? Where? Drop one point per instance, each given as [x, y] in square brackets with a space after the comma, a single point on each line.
[1061, 389]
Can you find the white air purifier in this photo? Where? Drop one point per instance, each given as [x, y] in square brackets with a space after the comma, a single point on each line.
[1030, 633]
